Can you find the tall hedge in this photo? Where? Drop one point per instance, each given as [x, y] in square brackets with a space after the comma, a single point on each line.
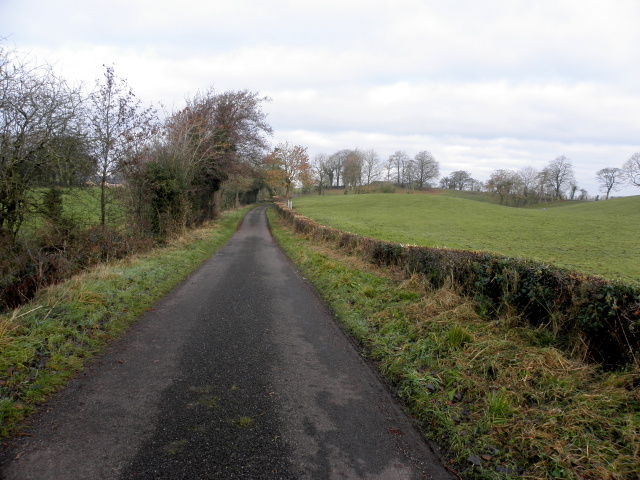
[596, 318]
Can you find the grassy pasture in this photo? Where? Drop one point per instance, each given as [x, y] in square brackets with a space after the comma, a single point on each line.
[83, 205]
[80, 205]
[598, 238]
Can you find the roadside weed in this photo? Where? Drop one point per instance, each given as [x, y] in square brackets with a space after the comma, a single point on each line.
[458, 337]
[244, 422]
[499, 406]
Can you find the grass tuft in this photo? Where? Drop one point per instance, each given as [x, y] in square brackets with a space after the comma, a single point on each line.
[458, 337]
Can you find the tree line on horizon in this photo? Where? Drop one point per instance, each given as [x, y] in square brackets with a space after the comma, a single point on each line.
[352, 168]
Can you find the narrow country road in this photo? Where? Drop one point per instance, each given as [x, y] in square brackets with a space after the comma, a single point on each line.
[240, 372]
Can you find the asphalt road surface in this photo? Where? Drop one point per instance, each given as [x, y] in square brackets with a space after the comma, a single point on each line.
[240, 372]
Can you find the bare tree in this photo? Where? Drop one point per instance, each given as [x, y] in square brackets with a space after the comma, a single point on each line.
[330, 171]
[409, 174]
[320, 171]
[400, 161]
[37, 109]
[505, 183]
[370, 166]
[610, 180]
[389, 168]
[458, 180]
[352, 169]
[631, 169]
[573, 188]
[559, 175]
[475, 185]
[425, 169]
[528, 176]
[239, 124]
[544, 189]
[118, 125]
[336, 163]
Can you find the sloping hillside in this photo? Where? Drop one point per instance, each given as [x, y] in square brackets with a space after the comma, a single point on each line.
[599, 238]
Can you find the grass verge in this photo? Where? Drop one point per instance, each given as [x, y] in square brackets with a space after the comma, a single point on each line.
[47, 341]
[501, 400]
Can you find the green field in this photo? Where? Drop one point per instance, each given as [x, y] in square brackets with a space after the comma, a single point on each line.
[80, 207]
[600, 238]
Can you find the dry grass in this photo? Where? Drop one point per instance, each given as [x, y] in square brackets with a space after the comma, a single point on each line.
[546, 414]
[7, 326]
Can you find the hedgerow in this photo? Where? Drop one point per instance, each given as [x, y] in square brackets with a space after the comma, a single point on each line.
[591, 317]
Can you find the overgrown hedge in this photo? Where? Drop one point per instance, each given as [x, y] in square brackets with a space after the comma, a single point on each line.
[31, 264]
[592, 317]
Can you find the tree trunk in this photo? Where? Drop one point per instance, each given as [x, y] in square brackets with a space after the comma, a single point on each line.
[217, 204]
[103, 203]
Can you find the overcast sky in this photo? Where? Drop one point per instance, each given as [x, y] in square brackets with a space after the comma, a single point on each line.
[482, 85]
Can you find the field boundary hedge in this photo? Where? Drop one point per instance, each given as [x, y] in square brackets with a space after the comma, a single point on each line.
[591, 317]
